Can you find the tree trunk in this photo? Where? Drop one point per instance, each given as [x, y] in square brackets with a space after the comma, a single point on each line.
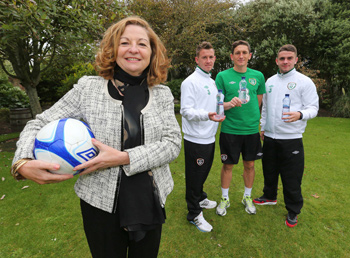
[33, 99]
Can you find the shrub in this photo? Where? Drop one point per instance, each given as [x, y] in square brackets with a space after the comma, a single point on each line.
[177, 108]
[48, 91]
[175, 86]
[76, 72]
[4, 115]
[341, 108]
[11, 96]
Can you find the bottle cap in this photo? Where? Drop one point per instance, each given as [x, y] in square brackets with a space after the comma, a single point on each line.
[287, 95]
[243, 77]
[220, 91]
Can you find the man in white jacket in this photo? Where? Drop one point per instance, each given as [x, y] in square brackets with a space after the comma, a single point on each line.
[199, 125]
[283, 151]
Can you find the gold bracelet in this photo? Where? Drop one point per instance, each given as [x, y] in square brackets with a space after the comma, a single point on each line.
[16, 166]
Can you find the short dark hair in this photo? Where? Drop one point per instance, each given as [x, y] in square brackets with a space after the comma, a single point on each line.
[203, 45]
[288, 47]
[240, 42]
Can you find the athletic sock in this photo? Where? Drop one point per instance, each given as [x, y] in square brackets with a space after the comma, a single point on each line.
[225, 192]
[247, 191]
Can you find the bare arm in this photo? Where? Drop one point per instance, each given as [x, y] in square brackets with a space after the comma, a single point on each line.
[260, 97]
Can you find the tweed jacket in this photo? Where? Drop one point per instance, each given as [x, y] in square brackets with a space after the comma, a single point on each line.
[89, 100]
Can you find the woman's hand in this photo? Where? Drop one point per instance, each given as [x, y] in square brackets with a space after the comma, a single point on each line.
[37, 171]
[107, 157]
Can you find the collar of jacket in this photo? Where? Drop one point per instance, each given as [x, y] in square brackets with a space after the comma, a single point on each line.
[200, 70]
[287, 74]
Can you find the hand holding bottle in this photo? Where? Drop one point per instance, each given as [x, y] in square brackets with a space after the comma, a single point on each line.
[291, 117]
[234, 102]
[213, 117]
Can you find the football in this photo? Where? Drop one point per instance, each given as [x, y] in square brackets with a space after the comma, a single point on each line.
[66, 142]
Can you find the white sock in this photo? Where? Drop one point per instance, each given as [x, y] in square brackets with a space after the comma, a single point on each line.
[225, 192]
[247, 191]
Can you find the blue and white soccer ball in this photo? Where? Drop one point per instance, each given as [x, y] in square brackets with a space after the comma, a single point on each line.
[66, 142]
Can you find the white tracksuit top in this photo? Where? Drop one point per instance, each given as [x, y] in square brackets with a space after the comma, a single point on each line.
[303, 95]
[198, 98]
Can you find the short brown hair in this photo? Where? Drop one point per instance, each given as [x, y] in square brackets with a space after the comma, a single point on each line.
[288, 47]
[203, 45]
[108, 51]
[240, 42]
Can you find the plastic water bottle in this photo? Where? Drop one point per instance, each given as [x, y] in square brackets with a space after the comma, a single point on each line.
[243, 90]
[219, 105]
[286, 106]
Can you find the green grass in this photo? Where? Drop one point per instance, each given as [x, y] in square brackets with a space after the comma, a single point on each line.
[45, 220]
[4, 137]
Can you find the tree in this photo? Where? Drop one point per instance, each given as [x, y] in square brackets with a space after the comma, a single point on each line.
[319, 29]
[33, 32]
[269, 24]
[331, 45]
[182, 25]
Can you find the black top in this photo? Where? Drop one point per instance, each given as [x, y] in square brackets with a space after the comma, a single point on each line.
[138, 200]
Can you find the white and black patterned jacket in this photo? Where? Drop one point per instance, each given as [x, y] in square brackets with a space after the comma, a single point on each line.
[89, 100]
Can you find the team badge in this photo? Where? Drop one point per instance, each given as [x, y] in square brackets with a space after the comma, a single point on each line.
[291, 85]
[232, 82]
[207, 88]
[252, 81]
[200, 162]
[223, 157]
[270, 88]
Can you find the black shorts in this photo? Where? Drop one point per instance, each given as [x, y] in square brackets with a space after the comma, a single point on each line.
[232, 145]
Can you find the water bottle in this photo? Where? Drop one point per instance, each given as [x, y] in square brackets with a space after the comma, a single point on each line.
[286, 105]
[243, 90]
[219, 105]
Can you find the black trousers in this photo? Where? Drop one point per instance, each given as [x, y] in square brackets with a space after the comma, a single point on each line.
[285, 158]
[198, 162]
[107, 239]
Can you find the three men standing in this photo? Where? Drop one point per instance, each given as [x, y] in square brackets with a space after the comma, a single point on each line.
[283, 152]
[199, 125]
[240, 130]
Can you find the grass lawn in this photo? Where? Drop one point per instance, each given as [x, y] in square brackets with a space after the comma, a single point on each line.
[45, 221]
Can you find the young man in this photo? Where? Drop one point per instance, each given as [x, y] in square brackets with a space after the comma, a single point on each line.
[199, 125]
[240, 130]
[283, 146]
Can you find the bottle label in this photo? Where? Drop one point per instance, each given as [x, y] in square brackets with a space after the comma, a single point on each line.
[285, 107]
[243, 92]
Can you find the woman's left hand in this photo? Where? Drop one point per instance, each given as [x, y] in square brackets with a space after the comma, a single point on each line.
[107, 157]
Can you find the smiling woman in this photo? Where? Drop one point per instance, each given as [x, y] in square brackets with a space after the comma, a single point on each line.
[134, 50]
[123, 190]
[113, 42]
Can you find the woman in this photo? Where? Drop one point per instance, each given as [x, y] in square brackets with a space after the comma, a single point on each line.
[122, 190]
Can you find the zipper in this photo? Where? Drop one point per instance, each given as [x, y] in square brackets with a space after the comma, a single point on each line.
[142, 132]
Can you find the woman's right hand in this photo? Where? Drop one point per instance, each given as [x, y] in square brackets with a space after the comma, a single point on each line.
[37, 171]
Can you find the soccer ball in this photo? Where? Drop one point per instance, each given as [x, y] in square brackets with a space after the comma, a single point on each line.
[66, 142]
